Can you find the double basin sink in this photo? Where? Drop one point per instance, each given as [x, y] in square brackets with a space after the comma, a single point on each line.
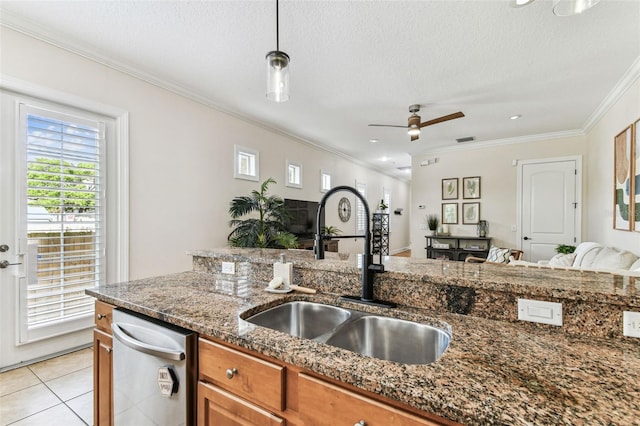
[391, 339]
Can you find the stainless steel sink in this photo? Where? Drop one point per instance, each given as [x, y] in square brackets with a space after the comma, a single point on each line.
[302, 319]
[392, 339]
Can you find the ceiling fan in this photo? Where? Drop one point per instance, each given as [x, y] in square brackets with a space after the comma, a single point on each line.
[415, 125]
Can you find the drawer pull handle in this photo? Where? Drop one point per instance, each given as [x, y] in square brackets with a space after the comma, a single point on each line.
[231, 372]
[101, 316]
[108, 350]
[361, 423]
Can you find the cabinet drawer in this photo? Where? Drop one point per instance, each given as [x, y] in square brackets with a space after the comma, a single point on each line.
[220, 408]
[103, 316]
[249, 377]
[325, 403]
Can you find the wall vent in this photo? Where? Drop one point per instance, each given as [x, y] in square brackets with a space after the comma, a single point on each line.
[467, 139]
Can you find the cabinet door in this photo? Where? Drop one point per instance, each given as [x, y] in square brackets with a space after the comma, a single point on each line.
[322, 403]
[103, 314]
[220, 408]
[256, 380]
[102, 379]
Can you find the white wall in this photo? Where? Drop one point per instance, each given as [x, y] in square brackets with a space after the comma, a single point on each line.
[498, 185]
[181, 158]
[498, 202]
[599, 215]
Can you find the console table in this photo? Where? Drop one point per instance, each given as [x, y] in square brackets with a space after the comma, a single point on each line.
[458, 247]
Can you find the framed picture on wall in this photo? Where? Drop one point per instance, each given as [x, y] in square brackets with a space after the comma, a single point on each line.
[470, 213]
[471, 187]
[449, 213]
[622, 164]
[450, 189]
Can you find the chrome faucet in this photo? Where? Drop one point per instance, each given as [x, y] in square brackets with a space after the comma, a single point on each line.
[368, 267]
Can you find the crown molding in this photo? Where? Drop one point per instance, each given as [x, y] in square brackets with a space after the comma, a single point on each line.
[627, 80]
[31, 29]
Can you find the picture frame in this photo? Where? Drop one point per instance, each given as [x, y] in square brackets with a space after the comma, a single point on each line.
[450, 189]
[449, 213]
[470, 213]
[471, 187]
[622, 184]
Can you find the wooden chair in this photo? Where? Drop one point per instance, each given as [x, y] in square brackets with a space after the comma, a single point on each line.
[517, 255]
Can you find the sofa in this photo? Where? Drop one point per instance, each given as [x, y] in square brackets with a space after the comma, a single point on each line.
[591, 256]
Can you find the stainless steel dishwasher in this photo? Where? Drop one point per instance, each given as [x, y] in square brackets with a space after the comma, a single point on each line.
[154, 372]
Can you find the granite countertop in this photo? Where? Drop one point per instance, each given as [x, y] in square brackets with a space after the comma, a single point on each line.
[602, 287]
[492, 372]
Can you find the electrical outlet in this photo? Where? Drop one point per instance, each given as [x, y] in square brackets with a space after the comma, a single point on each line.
[540, 311]
[631, 324]
[228, 268]
[423, 226]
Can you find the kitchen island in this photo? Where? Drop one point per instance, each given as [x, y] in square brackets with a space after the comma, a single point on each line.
[495, 371]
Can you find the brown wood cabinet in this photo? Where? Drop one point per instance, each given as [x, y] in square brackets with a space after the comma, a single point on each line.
[327, 404]
[239, 387]
[221, 408]
[102, 366]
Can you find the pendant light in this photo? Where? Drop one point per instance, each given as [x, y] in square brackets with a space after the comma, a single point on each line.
[277, 70]
[572, 7]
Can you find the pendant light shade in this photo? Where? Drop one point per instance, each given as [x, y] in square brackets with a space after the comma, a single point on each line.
[277, 69]
[277, 76]
[572, 7]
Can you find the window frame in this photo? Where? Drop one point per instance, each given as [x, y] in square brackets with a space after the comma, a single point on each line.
[287, 170]
[239, 150]
[323, 187]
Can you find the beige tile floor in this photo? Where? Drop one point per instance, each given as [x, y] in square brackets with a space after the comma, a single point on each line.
[58, 391]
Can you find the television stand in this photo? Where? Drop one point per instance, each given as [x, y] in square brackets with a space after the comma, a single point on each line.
[329, 245]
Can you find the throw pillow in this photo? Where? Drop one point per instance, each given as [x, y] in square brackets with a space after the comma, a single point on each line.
[562, 260]
[498, 255]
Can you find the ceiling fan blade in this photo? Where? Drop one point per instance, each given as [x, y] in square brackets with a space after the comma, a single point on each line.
[385, 125]
[455, 115]
[415, 138]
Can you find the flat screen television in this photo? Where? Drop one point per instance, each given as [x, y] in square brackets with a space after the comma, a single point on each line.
[303, 215]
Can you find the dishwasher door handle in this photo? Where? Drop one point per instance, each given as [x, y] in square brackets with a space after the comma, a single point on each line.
[126, 339]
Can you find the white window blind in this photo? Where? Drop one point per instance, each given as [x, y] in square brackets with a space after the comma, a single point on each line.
[361, 217]
[64, 202]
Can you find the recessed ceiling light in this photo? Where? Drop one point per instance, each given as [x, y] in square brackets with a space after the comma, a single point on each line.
[384, 158]
[515, 117]
[374, 140]
[520, 3]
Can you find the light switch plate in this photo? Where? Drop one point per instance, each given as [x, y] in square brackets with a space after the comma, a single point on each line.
[631, 324]
[228, 268]
[540, 311]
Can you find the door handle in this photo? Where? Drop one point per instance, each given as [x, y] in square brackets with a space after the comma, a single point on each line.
[526, 238]
[135, 344]
[5, 263]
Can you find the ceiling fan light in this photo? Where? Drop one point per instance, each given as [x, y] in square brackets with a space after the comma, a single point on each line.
[572, 7]
[277, 76]
[414, 130]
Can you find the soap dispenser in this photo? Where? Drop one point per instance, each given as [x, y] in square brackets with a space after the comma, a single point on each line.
[283, 269]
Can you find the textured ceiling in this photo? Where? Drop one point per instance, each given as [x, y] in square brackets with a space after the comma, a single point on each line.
[360, 62]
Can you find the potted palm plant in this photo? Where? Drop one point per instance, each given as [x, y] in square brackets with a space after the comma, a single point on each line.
[268, 226]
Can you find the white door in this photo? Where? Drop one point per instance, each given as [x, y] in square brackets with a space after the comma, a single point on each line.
[50, 228]
[550, 207]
